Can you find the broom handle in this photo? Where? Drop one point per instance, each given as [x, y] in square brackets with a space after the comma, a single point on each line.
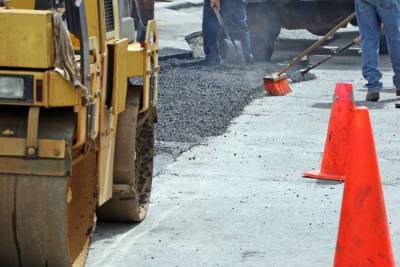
[337, 52]
[317, 44]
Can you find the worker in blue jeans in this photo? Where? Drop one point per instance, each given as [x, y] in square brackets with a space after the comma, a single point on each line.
[370, 15]
[235, 18]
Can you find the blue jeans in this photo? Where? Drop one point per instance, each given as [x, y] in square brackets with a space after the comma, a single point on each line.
[235, 18]
[370, 15]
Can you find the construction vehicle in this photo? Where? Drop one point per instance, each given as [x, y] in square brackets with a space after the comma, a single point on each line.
[78, 94]
[266, 18]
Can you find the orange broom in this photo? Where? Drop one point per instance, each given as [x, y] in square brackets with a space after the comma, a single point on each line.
[277, 84]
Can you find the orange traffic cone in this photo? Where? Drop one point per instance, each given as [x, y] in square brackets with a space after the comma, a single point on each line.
[334, 161]
[364, 238]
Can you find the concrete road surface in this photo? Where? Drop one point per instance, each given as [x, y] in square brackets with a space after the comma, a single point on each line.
[239, 199]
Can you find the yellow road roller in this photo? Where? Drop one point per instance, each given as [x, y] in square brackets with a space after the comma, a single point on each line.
[78, 95]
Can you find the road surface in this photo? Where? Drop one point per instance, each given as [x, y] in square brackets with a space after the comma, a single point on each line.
[239, 199]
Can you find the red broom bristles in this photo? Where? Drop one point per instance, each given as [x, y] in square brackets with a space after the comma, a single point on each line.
[277, 88]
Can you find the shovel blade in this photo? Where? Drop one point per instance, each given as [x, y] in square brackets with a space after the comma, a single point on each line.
[234, 52]
[299, 76]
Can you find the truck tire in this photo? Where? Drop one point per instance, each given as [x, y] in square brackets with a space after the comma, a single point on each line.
[133, 163]
[319, 32]
[264, 26]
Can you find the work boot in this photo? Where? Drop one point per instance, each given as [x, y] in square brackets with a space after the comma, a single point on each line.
[372, 96]
[250, 60]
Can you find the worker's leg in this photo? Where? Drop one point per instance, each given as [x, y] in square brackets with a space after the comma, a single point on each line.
[369, 24]
[235, 17]
[210, 33]
[389, 11]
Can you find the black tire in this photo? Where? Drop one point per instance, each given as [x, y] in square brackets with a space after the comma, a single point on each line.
[319, 32]
[264, 26]
[135, 136]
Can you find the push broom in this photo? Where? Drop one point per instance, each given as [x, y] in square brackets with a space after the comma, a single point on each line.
[305, 75]
[277, 84]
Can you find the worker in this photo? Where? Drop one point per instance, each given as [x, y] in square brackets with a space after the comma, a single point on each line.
[370, 15]
[235, 18]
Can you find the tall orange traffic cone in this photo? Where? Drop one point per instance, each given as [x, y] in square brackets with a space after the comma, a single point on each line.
[334, 161]
[364, 238]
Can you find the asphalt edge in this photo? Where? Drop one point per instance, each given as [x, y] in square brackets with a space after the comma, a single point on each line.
[170, 52]
[179, 4]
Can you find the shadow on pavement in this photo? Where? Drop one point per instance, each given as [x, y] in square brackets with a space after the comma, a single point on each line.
[385, 90]
[371, 105]
[105, 230]
[327, 182]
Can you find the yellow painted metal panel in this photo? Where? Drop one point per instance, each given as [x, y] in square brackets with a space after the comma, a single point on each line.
[26, 39]
[92, 16]
[120, 75]
[60, 92]
[46, 148]
[23, 4]
[106, 156]
[143, 62]
[136, 60]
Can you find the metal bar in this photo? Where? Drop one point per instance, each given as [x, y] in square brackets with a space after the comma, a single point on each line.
[16, 147]
[32, 132]
[45, 167]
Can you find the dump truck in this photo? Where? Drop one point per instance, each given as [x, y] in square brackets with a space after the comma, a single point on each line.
[78, 95]
[266, 18]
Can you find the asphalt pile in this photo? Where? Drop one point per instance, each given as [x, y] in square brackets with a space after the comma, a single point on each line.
[197, 101]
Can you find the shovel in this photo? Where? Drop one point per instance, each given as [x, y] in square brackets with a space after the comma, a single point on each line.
[233, 48]
[305, 75]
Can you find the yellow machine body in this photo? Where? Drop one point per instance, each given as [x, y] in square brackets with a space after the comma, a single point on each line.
[34, 145]
[33, 47]
[27, 44]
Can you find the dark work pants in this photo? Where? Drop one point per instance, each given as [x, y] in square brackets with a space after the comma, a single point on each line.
[370, 15]
[235, 18]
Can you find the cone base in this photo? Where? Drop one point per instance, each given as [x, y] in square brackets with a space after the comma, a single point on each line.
[323, 176]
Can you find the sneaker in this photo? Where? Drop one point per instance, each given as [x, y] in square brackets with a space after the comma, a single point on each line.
[372, 96]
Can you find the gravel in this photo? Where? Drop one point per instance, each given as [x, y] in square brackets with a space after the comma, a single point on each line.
[197, 101]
